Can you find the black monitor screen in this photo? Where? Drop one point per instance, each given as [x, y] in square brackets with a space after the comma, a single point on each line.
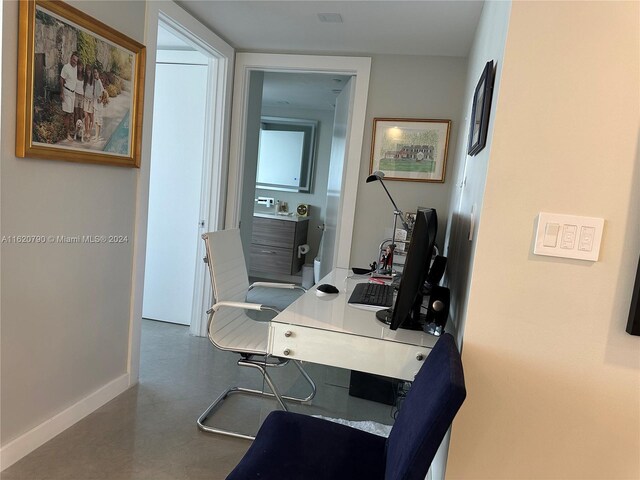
[406, 310]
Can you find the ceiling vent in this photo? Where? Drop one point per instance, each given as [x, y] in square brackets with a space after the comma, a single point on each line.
[330, 17]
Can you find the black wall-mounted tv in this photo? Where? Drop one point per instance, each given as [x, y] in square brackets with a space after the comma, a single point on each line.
[633, 325]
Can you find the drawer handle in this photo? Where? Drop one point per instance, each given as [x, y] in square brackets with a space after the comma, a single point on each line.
[420, 357]
[286, 352]
[270, 252]
[288, 333]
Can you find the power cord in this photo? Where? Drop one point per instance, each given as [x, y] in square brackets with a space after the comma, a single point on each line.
[401, 394]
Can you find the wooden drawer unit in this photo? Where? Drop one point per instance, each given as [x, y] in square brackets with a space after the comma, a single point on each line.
[265, 258]
[274, 232]
[274, 245]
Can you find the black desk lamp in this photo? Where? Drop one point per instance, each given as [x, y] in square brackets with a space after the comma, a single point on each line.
[378, 175]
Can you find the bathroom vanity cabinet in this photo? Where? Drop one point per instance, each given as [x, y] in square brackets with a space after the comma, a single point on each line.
[274, 244]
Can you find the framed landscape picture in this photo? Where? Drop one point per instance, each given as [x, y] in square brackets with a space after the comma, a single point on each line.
[80, 87]
[410, 149]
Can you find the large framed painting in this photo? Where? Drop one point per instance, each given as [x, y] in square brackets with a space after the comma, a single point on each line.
[480, 111]
[410, 149]
[80, 87]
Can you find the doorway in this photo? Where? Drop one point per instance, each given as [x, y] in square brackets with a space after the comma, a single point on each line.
[239, 203]
[186, 174]
[217, 107]
[176, 179]
[290, 143]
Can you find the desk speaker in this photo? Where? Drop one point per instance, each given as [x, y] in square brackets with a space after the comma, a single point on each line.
[438, 308]
[436, 272]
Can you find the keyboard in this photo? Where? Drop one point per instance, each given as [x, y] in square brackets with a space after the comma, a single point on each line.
[372, 294]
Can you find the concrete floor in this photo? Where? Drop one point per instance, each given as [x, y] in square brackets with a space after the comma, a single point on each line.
[150, 432]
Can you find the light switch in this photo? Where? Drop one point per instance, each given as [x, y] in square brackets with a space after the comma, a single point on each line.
[551, 234]
[568, 236]
[586, 239]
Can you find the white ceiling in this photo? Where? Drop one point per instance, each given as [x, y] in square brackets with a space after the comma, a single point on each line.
[280, 89]
[302, 90]
[419, 27]
[403, 27]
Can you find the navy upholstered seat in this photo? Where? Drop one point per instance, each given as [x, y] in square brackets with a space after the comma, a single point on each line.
[291, 446]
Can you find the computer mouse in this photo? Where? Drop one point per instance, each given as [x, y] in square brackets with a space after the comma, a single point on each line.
[326, 289]
[361, 271]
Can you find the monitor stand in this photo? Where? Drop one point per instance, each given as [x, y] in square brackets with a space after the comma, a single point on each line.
[409, 324]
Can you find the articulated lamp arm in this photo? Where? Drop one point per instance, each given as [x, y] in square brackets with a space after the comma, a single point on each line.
[378, 175]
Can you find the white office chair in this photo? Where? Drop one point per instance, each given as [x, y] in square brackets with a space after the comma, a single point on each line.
[231, 329]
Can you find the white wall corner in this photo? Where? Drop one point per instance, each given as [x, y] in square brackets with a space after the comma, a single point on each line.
[37, 436]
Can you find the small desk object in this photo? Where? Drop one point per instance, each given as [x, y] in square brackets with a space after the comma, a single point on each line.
[329, 331]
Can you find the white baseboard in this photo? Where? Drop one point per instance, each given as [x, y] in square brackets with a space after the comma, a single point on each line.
[27, 443]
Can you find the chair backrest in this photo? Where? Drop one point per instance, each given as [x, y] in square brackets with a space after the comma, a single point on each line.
[426, 413]
[231, 328]
[227, 267]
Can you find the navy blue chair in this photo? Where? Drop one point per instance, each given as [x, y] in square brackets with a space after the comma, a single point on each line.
[290, 446]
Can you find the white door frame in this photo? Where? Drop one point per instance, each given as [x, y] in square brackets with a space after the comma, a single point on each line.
[359, 67]
[216, 150]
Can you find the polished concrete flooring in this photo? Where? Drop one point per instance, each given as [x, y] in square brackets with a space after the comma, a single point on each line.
[149, 432]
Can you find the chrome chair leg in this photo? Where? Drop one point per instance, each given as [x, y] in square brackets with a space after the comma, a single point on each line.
[213, 407]
[262, 366]
[304, 374]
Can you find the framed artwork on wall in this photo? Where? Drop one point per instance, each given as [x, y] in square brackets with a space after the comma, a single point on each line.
[480, 110]
[80, 87]
[410, 149]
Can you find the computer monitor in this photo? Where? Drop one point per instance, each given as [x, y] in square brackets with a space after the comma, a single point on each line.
[406, 310]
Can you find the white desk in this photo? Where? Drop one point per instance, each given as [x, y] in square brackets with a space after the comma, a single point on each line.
[327, 330]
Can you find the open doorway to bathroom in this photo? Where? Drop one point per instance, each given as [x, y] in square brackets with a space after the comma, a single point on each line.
[346, 146]
[289, 147]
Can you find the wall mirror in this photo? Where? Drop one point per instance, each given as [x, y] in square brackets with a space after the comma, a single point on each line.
[286, 154]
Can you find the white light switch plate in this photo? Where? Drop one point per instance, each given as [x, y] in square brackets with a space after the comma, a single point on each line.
[568, 236]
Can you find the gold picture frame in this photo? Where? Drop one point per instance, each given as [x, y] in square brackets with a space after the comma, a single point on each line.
[98, 117]
[410, 149]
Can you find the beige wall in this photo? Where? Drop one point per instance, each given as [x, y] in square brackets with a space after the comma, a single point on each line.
[470, 172]
[406, 87]
[65, 308]
[553, 380]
